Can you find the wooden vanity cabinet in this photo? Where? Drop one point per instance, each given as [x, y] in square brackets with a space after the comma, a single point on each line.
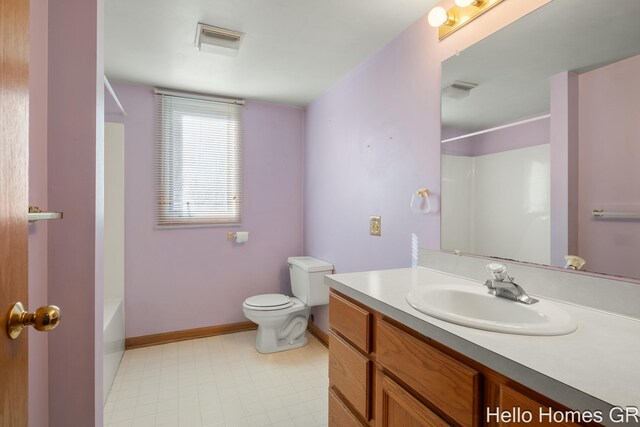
[383, 374]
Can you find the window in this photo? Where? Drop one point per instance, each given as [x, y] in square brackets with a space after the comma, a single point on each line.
[199, 172]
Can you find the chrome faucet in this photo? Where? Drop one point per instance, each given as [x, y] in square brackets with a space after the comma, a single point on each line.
[502, 285]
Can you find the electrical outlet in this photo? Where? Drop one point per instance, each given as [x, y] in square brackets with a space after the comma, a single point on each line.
[375, 225]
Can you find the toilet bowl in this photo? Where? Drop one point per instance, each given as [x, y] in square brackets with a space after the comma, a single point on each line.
[282, 320]
[280, 327]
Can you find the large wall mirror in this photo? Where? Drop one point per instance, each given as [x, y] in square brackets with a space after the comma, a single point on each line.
[540, 127]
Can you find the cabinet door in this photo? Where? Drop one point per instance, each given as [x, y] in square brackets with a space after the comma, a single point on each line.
[517, 409]
[395, 407]
[450, 385]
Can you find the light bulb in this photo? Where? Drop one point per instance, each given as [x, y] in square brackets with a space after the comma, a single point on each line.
[437, 16]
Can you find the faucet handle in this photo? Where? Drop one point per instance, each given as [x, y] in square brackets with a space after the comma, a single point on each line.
[497, 271]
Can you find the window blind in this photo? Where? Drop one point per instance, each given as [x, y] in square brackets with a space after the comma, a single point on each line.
[199, 160]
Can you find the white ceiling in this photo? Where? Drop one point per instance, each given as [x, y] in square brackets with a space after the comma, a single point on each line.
[293, 50]
[513, 66]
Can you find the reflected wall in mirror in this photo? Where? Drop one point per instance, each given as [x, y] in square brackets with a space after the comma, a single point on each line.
[540, 126]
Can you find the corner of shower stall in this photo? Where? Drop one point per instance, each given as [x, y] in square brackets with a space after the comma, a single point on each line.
[114, 278]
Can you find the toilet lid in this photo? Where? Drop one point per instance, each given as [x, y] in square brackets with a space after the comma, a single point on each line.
[269, 301]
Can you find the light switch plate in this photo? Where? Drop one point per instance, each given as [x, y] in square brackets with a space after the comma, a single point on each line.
[375, 225]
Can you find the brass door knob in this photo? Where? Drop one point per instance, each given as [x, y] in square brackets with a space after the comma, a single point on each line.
[43, 319]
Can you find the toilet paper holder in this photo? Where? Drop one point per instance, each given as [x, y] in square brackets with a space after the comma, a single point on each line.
[240, 236]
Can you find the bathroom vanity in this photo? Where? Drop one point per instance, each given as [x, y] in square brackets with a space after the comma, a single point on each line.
[390, 365]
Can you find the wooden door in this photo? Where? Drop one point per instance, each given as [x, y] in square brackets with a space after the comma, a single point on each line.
[14, 149]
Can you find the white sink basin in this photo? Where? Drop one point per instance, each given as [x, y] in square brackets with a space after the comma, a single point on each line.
[472, 306]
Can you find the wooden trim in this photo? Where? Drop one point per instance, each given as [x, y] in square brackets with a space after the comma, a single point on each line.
[322, 336]
[188, 334]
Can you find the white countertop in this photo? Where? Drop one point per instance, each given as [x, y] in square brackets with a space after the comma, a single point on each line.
[594, 368]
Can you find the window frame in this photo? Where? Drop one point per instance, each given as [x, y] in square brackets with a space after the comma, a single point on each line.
[172, 108]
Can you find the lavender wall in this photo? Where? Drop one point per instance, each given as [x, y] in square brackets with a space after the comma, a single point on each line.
[38, 343]
[608, 175]
[199, 270]
[372, 140]
[75, 109]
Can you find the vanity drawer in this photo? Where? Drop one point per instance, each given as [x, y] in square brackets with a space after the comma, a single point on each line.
[350, 374]
[339, 414]
[448, 384]
[351, 321]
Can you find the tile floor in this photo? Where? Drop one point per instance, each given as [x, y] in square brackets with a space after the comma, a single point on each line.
[220, 381]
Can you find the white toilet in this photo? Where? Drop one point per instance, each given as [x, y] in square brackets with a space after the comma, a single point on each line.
[282, 320]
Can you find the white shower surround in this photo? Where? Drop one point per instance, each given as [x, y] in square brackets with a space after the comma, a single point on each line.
[498, 204]
[114, 333]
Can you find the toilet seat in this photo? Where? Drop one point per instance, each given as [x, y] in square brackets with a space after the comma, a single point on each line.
[268, 302]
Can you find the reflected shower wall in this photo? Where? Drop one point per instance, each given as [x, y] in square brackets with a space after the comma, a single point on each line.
[496, 193]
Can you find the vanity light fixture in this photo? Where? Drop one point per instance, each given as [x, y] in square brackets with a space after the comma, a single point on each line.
[464, 11]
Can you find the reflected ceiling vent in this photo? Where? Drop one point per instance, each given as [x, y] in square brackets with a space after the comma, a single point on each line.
[458, 89]
[218, 40]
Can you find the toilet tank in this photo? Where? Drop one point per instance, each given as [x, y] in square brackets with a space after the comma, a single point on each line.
[307, 279]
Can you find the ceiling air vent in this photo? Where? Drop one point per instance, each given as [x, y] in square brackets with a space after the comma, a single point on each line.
[458, 89]
[218, 40]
